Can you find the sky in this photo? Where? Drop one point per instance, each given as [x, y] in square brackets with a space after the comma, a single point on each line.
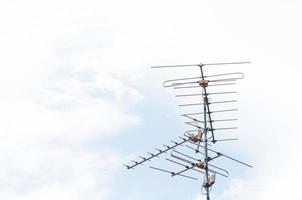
[78, 97]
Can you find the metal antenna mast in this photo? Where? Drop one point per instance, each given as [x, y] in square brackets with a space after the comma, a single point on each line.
[205, 100]
[203, 135]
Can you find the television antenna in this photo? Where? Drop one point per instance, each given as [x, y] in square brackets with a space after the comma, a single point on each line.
[200, 158]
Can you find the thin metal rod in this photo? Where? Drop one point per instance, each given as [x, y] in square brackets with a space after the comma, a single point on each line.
[224, 120]
[174, 82]
[226, 74]
[218, 120]
[200, 65]
[194, 149]
[216, 102]
[227, 110]
[214, 120]
[163, 170]
[213, 93]
[213, 102]
[194, 119]
[226, 128]
[223, 140]
[222, 84]
[189, 123]
[190, 104]
[210, 85]
[173, 173]
[187, 95]
[236, 160]
[228, 63]
[186, 87]
[216, 111]
[184, 170]
[224, 80]
[218, 153]
[190, 65]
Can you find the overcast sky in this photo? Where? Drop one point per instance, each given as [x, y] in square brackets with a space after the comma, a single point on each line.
[78, 97]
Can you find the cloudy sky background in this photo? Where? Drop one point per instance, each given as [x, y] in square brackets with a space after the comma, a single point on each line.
[78, 97]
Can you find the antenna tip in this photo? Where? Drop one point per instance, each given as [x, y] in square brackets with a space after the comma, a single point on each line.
[128, 167]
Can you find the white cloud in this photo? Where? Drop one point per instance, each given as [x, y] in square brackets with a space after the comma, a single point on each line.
[58, 93]
[46, 171]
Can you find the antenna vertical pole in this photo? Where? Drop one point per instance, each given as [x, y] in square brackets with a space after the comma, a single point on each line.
[205, 100]
[206, 149]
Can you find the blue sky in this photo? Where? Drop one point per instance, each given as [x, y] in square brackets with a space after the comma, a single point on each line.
[78, 97]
